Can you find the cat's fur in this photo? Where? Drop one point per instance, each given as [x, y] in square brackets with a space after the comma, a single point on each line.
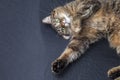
[88, 21]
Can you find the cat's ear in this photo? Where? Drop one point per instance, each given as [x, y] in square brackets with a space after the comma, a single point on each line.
[47, 20]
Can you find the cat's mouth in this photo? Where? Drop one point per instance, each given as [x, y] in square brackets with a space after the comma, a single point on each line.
[67, 34]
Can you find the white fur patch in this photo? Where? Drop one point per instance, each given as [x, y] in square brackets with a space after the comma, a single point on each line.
[66, 24]
[67, 19]
[66, 37]
[77, 30]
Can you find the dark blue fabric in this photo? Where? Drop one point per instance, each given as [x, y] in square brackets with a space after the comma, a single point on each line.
[27, 47]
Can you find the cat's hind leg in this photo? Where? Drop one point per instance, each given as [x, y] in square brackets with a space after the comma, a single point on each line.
[114, 40]
[114, 73]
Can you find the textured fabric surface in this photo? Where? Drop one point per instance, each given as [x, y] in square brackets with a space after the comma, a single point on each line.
[27, 47]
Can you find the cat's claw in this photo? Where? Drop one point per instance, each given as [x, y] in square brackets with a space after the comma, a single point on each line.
[58, 66]
[114, 73]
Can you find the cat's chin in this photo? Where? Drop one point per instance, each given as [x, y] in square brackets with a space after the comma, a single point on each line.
[66, 37]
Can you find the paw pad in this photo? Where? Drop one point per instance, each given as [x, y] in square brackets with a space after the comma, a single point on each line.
[58, 65]
[114, 72]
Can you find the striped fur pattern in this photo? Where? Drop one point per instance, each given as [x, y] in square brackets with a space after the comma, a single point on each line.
[89, 21]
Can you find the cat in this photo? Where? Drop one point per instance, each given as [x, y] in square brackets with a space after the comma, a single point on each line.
[84, 22]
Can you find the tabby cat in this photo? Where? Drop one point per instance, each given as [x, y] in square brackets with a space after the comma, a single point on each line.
[85, 22]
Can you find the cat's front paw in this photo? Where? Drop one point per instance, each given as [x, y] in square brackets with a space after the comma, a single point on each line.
[58, 65]
[114, 73]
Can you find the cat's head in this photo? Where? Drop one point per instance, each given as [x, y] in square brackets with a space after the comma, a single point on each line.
[60, 21]
[66, 22]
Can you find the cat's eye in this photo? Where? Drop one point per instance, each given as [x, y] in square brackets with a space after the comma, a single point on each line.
[63, 29]
[57, 20]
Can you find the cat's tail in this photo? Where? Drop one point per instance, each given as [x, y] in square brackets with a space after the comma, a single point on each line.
[114, 73]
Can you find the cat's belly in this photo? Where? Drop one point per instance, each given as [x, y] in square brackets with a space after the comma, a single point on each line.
[97, 23]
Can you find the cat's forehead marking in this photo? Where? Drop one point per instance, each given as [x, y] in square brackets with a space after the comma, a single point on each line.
[63, 15]
[67, 18]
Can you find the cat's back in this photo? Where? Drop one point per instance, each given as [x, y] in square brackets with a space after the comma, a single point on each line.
[111, 6]
[106, 16]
